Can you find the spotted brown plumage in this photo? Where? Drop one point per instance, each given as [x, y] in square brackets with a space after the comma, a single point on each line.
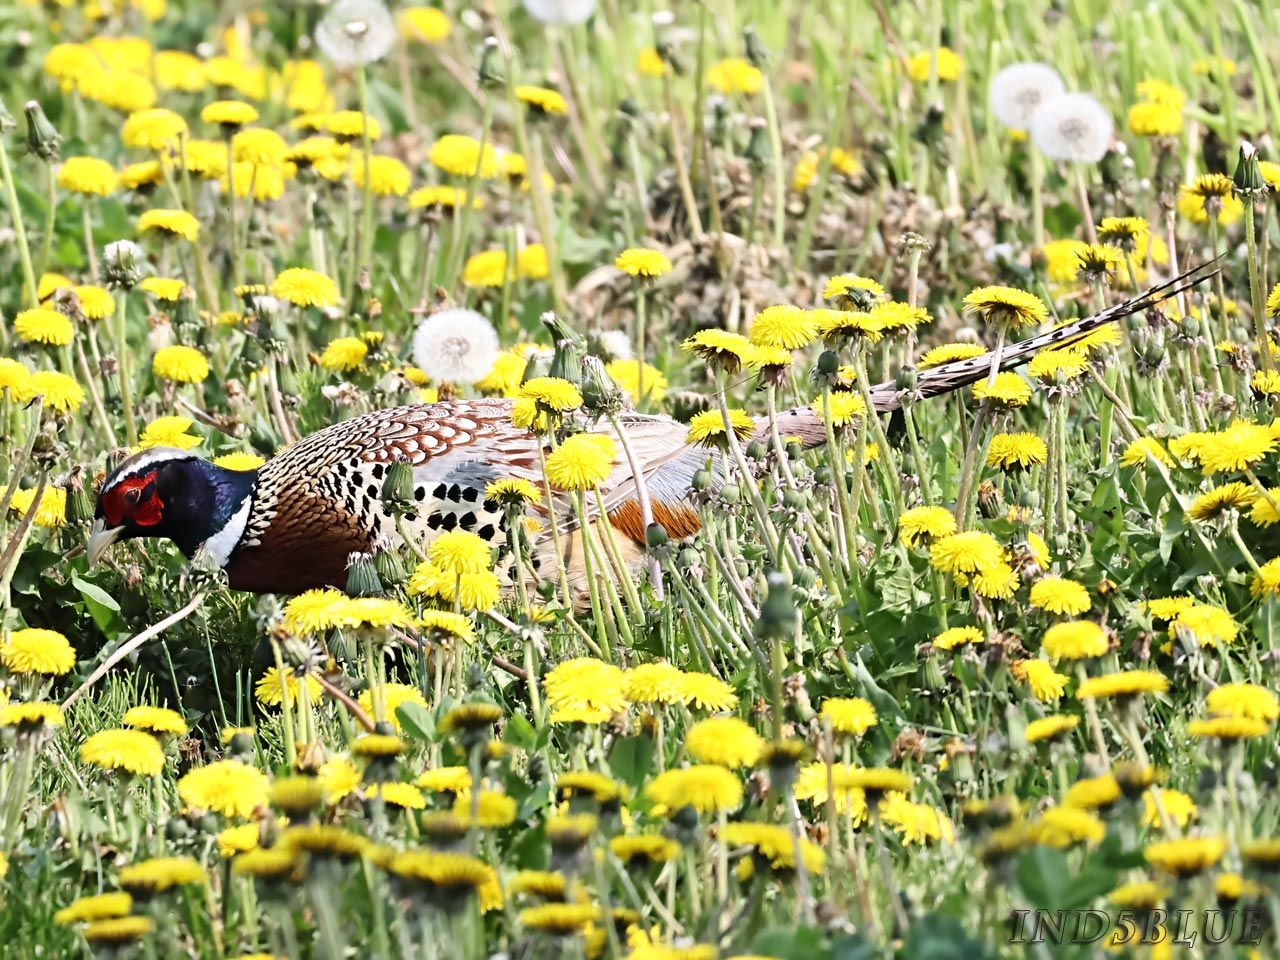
[293, 523]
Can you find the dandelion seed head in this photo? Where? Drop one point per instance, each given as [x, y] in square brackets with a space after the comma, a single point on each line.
[1020, 89]
[561, 13]
[1072, 128]
[356, 32]
[455, 346]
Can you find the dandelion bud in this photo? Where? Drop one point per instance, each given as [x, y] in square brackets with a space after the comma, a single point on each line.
[185, 315]
[1248, 182]
[960, 768]
[913, 242]
[490, 71]
[703, 480]
[630, 109]
[689, 557]
[757, 52]
[600, 395]
[805, 578]
[656, 536]
[177, 828]
[1189, 328]
[795, 500]
[122, 264]
[566, 362]
[778, 613]
[1153, 352]
[1112, 168]
[45, 142]
[822, 475]
[757, 450]
[907, 380]
[721, 112]
[79, 497]
[931, 678]
[685, 821]
[828, 367]
[362, 576]
[758, 152]
[390, 566]
[731, 493]
[397, 485]
[989, 499]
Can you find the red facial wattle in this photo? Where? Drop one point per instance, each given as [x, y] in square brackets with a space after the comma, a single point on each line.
[134, 499]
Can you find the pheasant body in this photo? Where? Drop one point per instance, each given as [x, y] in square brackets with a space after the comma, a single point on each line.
[294, 523]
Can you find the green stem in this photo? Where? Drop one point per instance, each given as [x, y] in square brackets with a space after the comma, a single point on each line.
[1257, 295]
[19, 230]
[366, 149]
[779, 175]
[124, 368]
[232, 234]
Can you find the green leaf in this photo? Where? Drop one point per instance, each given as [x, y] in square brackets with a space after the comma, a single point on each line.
[1062, 219]
[416, 721]
[934, 937]
[519, 732]
[91, 591]
[1049, 882]
[631, 760]
[790, 943]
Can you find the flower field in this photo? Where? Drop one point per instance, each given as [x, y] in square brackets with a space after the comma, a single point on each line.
[797, 480]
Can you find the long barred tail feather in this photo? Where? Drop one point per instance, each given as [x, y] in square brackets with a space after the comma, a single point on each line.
[961, 373]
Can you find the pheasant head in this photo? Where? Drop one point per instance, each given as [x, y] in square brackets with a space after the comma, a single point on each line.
[169, 493]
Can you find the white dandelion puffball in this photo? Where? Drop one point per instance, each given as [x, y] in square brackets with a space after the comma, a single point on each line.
[560, 12]
[455, 346]
[615, 344]
[1073, 127]
[356, 32]
[1019, 89]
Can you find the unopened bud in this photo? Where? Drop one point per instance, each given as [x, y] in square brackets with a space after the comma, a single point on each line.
[397, 485]
[758, 152]
[656, 536]
[795, 499]
[362, 576]
[490, 72]
[390, 566]
[757, 52]
[1248, 180]
[43, 140]
[778, 613]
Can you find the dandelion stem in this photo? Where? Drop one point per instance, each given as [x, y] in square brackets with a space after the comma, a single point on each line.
[1256, 292]
[19, 230]
[125, 373]
[968, 472]
[237, 267]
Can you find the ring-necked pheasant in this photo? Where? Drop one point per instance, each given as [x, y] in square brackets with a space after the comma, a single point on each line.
[292, 524]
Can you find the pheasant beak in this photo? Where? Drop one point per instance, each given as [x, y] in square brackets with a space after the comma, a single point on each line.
[100, 538]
